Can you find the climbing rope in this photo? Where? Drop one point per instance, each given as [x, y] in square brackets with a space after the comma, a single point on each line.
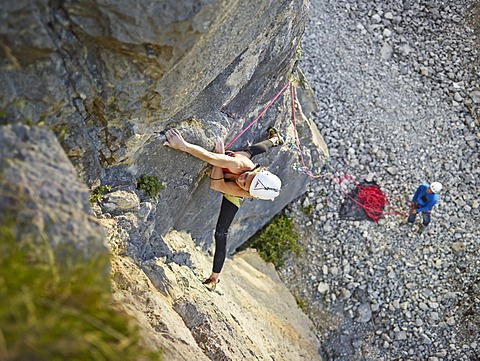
[373, 201]
[304, 167]
[369, 198]
[259, 115]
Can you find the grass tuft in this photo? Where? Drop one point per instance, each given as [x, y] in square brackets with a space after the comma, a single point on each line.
[301, 303]
[52, 310]
[98, 193]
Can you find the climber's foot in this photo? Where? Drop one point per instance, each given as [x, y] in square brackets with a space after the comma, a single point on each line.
[211, 283]
[274, 136]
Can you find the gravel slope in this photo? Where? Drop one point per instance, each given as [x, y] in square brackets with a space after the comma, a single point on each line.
[397, 84]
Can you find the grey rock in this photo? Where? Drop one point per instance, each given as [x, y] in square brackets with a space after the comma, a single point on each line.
[400, 336]
[323, 287]
[386, 51]
[425, 339]
[345, 294]
[376, 18]
[41, 191]
[370, 177]
[388, 15]
[405, 49]
[458, 98]
[392, 170]
[144, 210]
[459, 248]
[392, 274]
[364, 313]
[475, 95]
[123, 200]
[424, 70]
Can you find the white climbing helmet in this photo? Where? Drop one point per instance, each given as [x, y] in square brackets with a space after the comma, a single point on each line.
[265, 185]
[436, 187]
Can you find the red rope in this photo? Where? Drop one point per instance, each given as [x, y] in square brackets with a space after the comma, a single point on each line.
[369, 198]
[258, 116]
[372, 201]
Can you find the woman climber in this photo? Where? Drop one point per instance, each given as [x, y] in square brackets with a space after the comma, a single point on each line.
[236, 177]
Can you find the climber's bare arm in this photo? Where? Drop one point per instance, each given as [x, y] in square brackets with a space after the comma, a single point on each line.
[235, 164]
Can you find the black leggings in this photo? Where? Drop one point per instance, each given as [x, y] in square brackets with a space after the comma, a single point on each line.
[228, 211]
[258, 148]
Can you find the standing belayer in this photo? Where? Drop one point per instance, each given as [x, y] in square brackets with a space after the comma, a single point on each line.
[423, 201]
[236, 177]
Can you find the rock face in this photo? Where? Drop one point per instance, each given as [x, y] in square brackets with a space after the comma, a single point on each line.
[108, 78]
[250, 316]
[40, 190]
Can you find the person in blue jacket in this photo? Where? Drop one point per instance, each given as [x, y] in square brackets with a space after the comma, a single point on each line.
[423, 201]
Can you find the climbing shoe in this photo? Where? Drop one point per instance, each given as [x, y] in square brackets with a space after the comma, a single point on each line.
[274, 136]
[211, 283]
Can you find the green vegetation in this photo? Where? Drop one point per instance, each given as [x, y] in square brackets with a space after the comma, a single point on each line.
[97, 194]
[59, 311]
[308, 210]
[301, 303]
[150, 184]
[276, 239]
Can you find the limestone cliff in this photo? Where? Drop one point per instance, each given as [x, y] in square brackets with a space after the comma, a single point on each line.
[251, 316]
[107, 77]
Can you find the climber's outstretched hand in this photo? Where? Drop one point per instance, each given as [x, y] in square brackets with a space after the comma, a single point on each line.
[175, 140]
